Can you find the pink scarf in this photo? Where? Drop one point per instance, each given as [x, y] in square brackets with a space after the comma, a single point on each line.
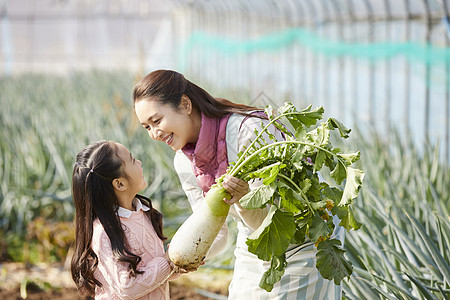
[209, 155]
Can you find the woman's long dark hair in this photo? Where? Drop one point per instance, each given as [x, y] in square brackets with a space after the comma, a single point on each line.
[97, 165]
[168, 86]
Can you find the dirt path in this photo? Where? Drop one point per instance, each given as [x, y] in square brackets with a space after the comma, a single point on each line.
[54, 282]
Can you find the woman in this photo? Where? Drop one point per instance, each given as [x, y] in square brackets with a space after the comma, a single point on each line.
[207, 133]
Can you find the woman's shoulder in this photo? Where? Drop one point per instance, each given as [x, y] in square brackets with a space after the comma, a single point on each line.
[244, 125]
[237, 121]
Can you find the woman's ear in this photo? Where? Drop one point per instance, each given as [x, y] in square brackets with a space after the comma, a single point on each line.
[119, 184]
[186, 104]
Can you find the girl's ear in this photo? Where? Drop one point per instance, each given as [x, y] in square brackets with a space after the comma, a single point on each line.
[119, 184]
[186, 104]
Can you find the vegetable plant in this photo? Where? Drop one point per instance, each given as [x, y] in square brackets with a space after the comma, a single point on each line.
[301, 204]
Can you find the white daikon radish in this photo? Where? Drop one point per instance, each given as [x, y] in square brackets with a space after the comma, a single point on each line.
[192, 241]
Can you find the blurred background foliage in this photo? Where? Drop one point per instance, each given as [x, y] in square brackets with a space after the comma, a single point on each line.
[401, 252]
[46, 120]
[380, 67]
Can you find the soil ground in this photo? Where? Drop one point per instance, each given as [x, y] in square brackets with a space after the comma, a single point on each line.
[54, 282]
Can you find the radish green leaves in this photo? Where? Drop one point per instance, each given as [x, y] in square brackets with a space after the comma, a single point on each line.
[302, 204]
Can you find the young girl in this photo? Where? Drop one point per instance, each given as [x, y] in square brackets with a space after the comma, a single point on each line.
[119, 252]
[207, 133]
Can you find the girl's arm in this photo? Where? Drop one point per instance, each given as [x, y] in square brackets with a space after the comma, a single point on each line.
[117, 275]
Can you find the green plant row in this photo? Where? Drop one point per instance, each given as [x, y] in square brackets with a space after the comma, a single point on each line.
[402, 250]
[400, 253]
[46, 120]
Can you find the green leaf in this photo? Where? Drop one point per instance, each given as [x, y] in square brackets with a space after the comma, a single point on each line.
[273, 173]
[274, 273]
[305, 185]
[349, 222]
[387, 295]
[334, 123]
[314, 193]
[258, 197]
[287, 107]
[422, 288]
[300, 234]
[306, 116]
[319, 136]
[318, 228]
[269, 172]
[339, 173]
[269, 110]
[331, 262]
[319, 205]
[350, 158]
[320, 160]
[291, 201]
[441, 263]
[340, 211]
[332, 193]
[273, 236]
[352, 185]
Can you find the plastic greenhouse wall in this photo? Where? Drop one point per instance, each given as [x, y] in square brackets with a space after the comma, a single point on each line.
[379, 63]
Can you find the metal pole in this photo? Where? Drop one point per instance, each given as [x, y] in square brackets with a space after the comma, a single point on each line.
[325, 60]
[427, 74]
[303, 55]
[372, 67]
[312, 79]
[292, 13]
[387, 107]
[354, 67]
[341, 63]
[447, 87]
[407, 71]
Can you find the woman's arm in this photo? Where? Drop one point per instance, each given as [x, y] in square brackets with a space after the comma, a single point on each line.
[240, 136]
[195, 197]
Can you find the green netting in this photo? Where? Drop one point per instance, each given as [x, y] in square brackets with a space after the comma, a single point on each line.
[414, 52]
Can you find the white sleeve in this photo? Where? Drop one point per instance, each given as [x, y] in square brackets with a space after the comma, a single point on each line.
[245, 135]
[188, 180]
[194, 193]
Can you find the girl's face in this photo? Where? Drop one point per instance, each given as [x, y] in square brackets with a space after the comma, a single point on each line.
[163, 123]
[132, 168]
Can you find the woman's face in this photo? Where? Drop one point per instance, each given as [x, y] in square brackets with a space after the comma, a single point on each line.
[163, 123]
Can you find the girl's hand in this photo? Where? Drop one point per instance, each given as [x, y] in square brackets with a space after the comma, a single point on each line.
[174, 267]
[236, 187]
[184, 271]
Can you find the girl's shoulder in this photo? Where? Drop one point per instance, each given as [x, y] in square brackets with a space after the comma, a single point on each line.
[99, 235]
[97, 226]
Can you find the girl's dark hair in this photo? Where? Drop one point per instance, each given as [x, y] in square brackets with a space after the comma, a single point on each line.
[97, 165]
[168, 86]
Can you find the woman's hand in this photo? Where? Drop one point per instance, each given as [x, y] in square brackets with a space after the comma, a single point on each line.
[236, 187]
